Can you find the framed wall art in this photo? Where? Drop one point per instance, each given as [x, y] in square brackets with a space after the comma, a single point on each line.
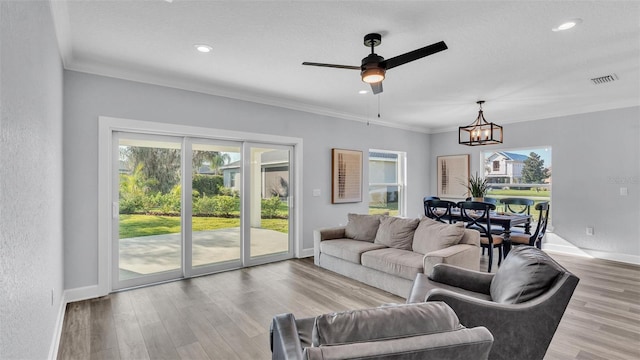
[453, 176]
[346, 176]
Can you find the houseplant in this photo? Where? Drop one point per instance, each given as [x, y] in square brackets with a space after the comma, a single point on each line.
[478, 187]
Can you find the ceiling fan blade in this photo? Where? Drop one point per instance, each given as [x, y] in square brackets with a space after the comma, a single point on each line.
[376, 87]
[332, 65]
[415, 55]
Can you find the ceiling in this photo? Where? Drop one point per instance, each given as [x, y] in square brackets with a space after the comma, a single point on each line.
[503, 52]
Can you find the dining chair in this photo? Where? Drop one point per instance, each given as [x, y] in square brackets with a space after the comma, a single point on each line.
[439, 210]
[534, 239]
[517, 205]
[477, 216]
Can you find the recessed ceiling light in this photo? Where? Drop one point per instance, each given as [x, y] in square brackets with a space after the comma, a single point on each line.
[567, 25]
[203, 48]
[361, 92]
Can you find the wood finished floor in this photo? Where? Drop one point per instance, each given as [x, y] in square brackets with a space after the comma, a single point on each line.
[227, 315]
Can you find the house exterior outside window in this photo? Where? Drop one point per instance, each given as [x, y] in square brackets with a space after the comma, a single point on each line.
[387, 182]
[506, 167]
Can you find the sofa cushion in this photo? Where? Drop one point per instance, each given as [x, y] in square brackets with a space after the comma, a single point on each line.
[362, 227]
[431, 235]
[396, 232]
[403, 263]
[526, 273]
[347, 249]
[384, 323]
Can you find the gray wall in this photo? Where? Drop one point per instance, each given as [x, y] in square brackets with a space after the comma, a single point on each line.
[88, 96]
[593, 155]
[31, 180]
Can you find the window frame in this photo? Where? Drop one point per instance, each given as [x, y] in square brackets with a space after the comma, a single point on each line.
[401, 176]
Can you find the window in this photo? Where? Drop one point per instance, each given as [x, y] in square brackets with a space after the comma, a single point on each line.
[387, 182]
[524, 173]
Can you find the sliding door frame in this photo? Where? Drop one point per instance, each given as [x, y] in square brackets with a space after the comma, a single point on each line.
[108, 125]
[247, 258]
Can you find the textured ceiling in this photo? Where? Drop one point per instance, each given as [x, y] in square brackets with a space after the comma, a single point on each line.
[503, 52]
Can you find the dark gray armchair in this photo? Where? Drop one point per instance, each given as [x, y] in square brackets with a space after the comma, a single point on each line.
[521, 304]
[403, 332]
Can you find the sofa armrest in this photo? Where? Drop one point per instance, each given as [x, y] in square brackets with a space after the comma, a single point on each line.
[471, 280]
[325, 234]
[462, 255]
[285, 342]
[506, 321]
[330, 233]
[470, 237]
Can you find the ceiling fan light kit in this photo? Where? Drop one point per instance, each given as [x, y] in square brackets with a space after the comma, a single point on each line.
[372, 75]
[374, 66]
[480, 132]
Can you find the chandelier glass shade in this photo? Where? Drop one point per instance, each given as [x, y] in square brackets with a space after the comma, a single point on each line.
[480, 132]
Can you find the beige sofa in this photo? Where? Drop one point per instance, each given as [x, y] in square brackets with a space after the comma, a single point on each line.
[388, 252]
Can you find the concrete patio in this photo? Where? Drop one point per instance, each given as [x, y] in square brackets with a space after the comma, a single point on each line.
[151, 254]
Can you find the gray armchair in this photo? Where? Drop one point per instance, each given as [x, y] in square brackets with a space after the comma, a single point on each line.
[408, 331]
[521, 304]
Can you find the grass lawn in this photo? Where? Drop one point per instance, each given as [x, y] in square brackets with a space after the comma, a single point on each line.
[519, 193]
[146, 225]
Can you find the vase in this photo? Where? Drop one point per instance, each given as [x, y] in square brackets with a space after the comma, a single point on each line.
[480, 199]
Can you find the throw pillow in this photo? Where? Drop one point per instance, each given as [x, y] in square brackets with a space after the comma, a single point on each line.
[396, 232]
[433, 235]
[527, 272]
[362, 227]
[388, 322]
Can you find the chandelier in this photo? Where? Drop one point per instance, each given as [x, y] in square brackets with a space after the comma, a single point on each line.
[480, 132]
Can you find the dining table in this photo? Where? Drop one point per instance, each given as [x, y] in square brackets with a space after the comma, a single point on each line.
[506, 221]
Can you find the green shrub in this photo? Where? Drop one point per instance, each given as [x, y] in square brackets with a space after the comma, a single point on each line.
[225, 205]
[131, 205]
[270, 207]
[205, 206]
[207, 184]
[228, 191]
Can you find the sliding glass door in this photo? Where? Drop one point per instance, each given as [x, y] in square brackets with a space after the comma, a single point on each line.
[213, 222]
[269, 204]
[146, 209]
[185, 206]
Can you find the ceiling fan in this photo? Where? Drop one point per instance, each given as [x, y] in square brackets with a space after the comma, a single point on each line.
[374, 66]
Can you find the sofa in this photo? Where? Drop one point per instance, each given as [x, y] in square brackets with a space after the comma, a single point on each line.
[388, 252]
[521, 304]
[408, 331]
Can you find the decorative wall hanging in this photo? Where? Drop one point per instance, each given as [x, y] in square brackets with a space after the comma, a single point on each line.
[346, 175]
[453, 176]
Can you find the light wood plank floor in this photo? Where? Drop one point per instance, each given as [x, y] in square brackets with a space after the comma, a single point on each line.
[227, 315]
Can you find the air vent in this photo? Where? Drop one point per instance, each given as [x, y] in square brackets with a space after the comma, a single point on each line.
[604, 79]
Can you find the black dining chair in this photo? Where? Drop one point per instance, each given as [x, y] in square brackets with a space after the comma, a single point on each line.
[534, 239]
[439, 210]
[519, 206]
[477, 216]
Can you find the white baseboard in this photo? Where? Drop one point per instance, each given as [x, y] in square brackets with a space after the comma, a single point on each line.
[57, 331]
[68, 296]
[306, 253]
[82, 293]
[625, 258]
[555, 243]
